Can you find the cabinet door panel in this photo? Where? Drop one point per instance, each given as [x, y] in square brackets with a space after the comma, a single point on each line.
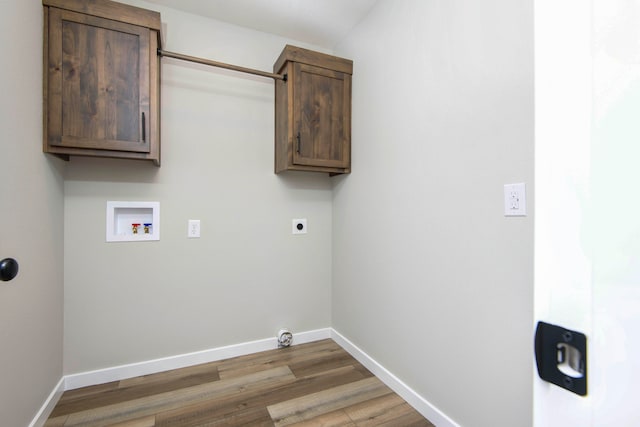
[321, 124]
[101, 72]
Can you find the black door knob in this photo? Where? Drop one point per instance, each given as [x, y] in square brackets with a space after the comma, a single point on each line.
[8, 269]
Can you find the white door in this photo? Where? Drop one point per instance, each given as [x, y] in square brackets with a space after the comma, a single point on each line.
[587, 195]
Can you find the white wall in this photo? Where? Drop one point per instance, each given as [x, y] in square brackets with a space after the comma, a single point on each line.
[429, 277]
[616, 226]
[587, 252]
[563, 268]
[247, 276]
[31, 208]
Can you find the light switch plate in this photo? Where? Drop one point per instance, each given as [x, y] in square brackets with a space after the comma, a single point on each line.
[515, 200]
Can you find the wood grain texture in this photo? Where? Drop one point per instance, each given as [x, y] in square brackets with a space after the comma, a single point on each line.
[101, 85]
[313, 112]
[110, 10]
[306, 56]
[105, 82]
[310, 384]
[310, 406]
[320, 117]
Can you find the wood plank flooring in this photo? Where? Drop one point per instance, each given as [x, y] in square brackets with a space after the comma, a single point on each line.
[314, 384]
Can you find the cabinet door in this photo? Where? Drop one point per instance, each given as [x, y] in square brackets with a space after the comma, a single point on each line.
[98, 83]
[321, 117]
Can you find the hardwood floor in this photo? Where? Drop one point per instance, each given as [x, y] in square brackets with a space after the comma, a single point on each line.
[314, 384]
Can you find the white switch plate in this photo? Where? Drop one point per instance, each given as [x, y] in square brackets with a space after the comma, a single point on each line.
[299, 226]
[515, 200]
[193, 230]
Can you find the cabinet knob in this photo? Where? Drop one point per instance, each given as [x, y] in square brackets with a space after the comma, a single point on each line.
[8, 269]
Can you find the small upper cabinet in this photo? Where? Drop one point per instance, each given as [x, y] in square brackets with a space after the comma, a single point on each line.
[101, 80]
[313, 112]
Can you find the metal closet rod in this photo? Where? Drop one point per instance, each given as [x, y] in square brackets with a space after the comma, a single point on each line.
[182, 57]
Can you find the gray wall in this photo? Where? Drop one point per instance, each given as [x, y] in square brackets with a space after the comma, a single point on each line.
[429, 277]
[247, 275]
[31, 208]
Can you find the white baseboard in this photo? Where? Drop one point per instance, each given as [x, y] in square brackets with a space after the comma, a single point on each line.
[428, 410]
[49, 404]
[122, 372]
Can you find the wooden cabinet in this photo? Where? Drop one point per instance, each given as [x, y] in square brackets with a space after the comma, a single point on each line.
[313, 112]
[101, 80]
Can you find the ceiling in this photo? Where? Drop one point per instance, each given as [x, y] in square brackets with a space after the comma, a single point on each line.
[319, 22]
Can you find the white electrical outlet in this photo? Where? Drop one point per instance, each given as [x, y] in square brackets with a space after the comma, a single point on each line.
[193, 230]
[515, 200]
[299, 226]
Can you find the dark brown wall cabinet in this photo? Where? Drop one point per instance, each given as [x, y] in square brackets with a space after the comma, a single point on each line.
[101, 80]
[313, 112]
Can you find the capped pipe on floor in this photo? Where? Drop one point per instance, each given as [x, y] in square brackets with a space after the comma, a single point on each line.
[284, 337]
